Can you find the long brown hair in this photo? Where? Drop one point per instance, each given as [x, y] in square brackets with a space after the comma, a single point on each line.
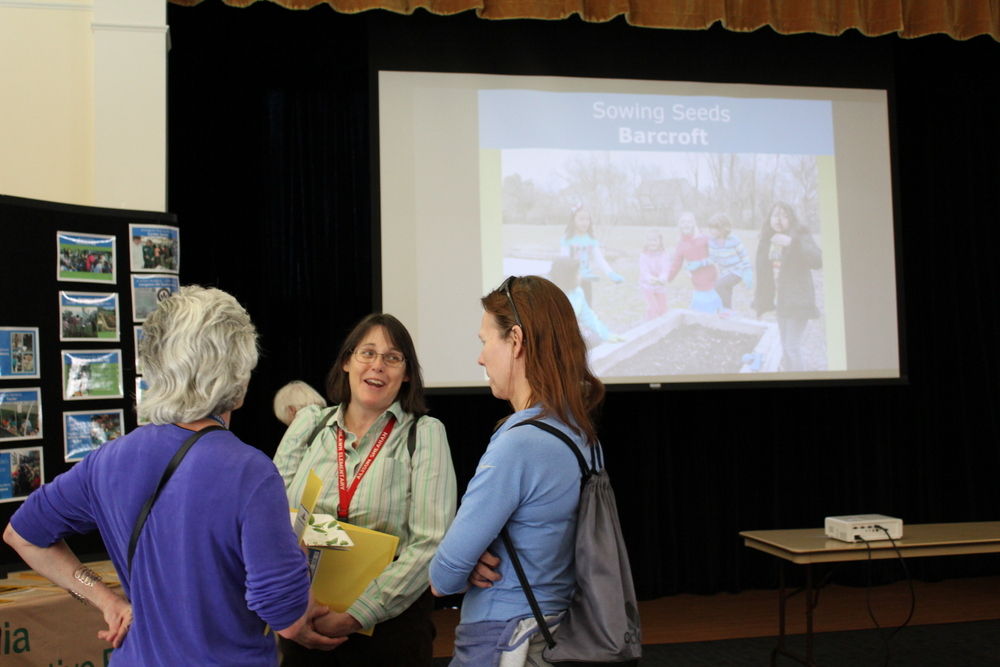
[411, 393]
[555, 352]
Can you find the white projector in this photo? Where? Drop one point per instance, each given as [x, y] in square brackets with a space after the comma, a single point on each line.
[863, 527]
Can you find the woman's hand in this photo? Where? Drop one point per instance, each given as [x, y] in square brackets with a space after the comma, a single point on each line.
[485, 573]
[58, 564]
[304, 632]
[336, 624]
[118, 616]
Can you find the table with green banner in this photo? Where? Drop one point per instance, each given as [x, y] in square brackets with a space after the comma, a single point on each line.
[43, 626]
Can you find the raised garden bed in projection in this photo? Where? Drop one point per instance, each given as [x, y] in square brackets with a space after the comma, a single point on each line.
[685, 343]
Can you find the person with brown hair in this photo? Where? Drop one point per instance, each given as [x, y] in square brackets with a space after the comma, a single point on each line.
[580, 243]
[528, 481]
[390, 481]
[786, 257]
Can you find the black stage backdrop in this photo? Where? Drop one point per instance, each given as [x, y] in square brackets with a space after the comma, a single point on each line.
[271, 179]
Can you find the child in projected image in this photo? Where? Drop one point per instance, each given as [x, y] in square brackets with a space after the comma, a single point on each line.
[786, 258]
[654, 268]
[565, 274]
[730, 257]
[692, 254]
[579, 243]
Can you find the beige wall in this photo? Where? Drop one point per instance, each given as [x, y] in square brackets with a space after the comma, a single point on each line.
[83, 102]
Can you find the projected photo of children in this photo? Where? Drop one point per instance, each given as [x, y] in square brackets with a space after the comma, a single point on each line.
[680, 268]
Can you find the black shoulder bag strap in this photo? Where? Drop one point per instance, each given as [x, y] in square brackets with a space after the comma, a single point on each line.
[585, 471]
[167, 473]
[528, 593]
[320, 426]
[505, 536]
[411, 438]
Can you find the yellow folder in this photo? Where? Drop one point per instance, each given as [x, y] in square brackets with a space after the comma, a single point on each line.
[309, 496]
[341, 575]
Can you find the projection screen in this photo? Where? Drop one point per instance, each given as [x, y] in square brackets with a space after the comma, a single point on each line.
[652, 204]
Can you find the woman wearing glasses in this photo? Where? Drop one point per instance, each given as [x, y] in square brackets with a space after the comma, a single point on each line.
[376, 390]
[527, 481]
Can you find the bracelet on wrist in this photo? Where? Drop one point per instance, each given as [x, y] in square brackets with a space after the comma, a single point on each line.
[86, 576]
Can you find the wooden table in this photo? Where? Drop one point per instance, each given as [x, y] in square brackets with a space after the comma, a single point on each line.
[810, 545]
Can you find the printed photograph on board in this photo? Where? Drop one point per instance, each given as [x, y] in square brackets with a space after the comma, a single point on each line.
[137, 336]
[21, 414]
[21, 472]
[140, 390]
[86, 430]
[88, 316]
[92, 374]
[18, 352]
[148, 292]
[154, 248]
[86, 258]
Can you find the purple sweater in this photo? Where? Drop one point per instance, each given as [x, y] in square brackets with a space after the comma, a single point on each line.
[217, 558]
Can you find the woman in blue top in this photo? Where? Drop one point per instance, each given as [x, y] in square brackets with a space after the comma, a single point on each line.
[527, 480]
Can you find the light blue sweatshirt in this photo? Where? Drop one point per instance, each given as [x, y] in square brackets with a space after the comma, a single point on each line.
[529, 480]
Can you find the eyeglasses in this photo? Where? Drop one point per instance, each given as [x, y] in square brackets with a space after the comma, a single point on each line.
[391, 359]
[507, 284]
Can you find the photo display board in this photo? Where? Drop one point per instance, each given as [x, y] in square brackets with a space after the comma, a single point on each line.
[68, 374]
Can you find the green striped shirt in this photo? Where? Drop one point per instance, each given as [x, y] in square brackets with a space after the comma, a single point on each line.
[412, 499]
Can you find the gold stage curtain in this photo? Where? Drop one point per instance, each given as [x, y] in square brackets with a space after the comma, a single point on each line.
[960, 19]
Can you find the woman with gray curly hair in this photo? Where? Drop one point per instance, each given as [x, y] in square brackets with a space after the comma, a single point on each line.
[206, 554]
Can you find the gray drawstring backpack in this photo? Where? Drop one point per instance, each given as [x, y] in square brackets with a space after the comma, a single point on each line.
[601, 626]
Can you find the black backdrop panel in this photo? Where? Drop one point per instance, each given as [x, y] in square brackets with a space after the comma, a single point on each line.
[31, 295]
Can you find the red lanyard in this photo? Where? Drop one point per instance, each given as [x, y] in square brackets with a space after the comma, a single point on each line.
[346, 494]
